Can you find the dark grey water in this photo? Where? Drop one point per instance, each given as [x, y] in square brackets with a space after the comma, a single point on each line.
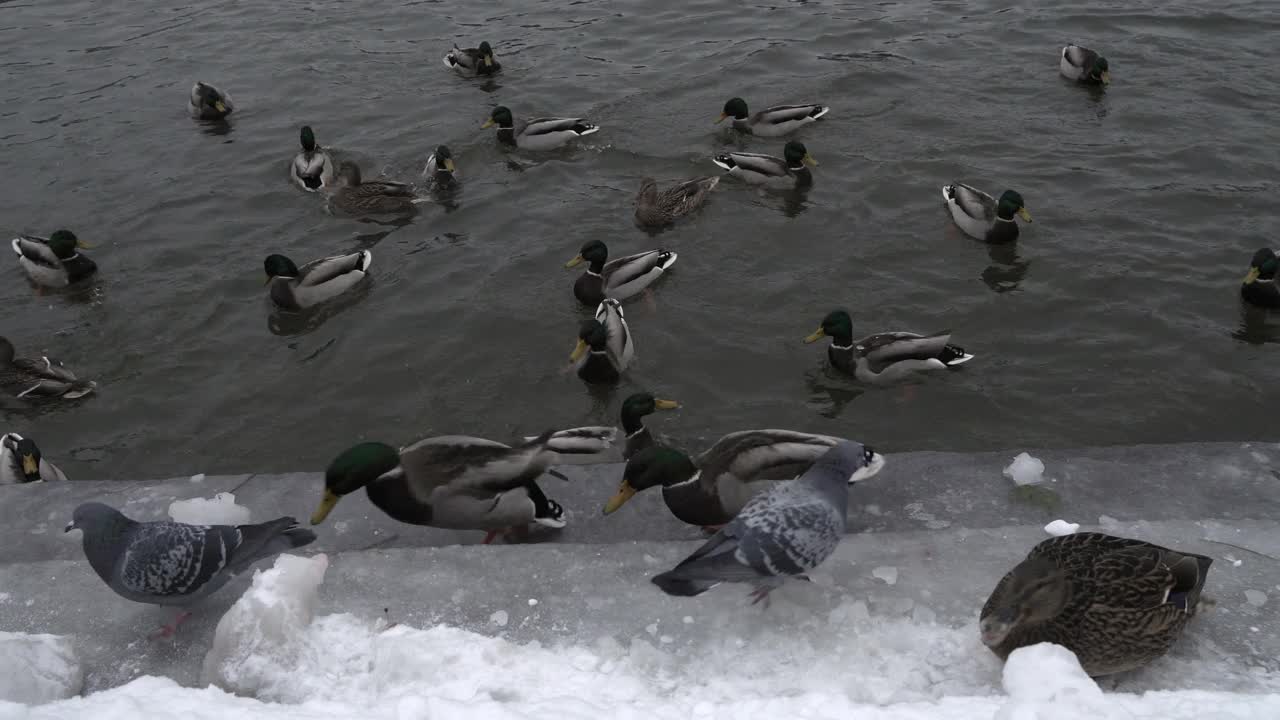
[1115, 320]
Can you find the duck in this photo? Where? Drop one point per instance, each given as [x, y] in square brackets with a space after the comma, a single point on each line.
[21, 462]
[656, 208]
[1260, 287]
[54, 262]
[312, 169]
[772, 122]
[1084, 66]
[885, 357]
[43, 378]
[981, 217]
[440, 167]
[605, 349]
[472, 62]
[757, 169]
[460, 482]
[710, 490]
[634, 408]
[318, 281]
[1117, 603]
[208, 102]
[539, 133]
[354, 196]
[621, 278]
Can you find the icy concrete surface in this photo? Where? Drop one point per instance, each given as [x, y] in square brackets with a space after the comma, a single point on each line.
[38, 669]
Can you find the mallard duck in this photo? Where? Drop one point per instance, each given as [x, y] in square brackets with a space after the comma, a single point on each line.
[634, 408]
[539, 133]
[619, 279]
[604, 349]
[312, 168]
[981, 217]
[760, 169]
[54, 262]
[21, 462]
[655, 209]
[711, 490]
[1084, 66]
[440, 168]
[885, 357]
[45, 377]
[1116, 603]
[208, 102]
[472, 62]
[354, 196]
[317, 281]
[460, 482]
[772, 122]
[1259, 287]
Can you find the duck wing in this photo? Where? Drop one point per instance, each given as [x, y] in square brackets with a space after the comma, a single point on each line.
[755, 162]
[750, 455]
[893, 346]
[37, 251]
[975, 203]
[318, 272]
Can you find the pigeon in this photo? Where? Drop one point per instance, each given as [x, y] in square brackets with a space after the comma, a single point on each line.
[784, 532]
[172, 563]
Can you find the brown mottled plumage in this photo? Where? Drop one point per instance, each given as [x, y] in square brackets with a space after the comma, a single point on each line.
[655, 207]
[1116, 603]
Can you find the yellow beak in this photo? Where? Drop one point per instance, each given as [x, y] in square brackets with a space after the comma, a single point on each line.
[326, 506]
[1024, 214]
[488, 60]
[29, 465]
[487, 124]
[808, 160]
[575, 262]
[448, 164]
[620, 498]
[816, 336]
[666, 404]
[721, 118]
[579, 351]
[83, 245]
[1106, 77]
[1253, 275]
[219, 106]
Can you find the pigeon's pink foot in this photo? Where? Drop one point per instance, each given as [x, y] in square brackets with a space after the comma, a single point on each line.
[649, 302]
[712, 529]
[761, 594]
[170, 630]
[489, 537]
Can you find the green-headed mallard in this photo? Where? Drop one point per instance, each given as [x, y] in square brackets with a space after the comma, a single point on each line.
[472, 62]
[54, 262]
[771, 122]
[1116, 603]
[1084, 66]
[634, 408]
[46, 377]
[539, 133]
[888, 356]
[354, 196]
[21, 462]
[1259, 287]
[460, 482]
[656, 208]
[317, 281]
[711, 490]
[605, 349]
[981, 217]
[312, 168]
[440, 167]
[757, 169]
[208, 102]
[619, 279]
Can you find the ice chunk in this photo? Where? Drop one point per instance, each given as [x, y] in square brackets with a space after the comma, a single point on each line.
[261, 630]
[1061, 527]
[197, 478]
[38, 668]
[500, 618]
[1256, 598]
[1045, 682]
[887, 573]
[221, 509]
[1025, 470]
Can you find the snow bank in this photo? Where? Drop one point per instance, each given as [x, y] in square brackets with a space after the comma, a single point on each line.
[38, 668]
[221, 509]
[1025, 470]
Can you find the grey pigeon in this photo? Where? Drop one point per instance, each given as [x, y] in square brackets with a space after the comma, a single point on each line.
[784, 532]
[172, 563]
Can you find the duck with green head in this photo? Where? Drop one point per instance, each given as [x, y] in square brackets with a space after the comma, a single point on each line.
[981, 216]
[207, 102]
[1260, 284]
[605, 349]
[711, 490]
[634, 408]
[312, 168]
[440, 167]
[621, 278]
[54, 262]
[43, 378]
[316, 282]
[22, 462]
[1084, 66]
[888, 356]
[473, 62]
[771, 122]
[538, 134]
[790, 170]
[460, 482]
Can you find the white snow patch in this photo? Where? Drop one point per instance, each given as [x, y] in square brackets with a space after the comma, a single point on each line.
[887, 573]
[1061, 527]
[500, 618]
[533, 601]
[197, 478]
[1046, 682]
[221, 509]
[38, 669]
[1025, 470]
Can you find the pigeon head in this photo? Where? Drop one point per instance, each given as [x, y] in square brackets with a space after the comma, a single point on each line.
[852, 461]
[93, 518]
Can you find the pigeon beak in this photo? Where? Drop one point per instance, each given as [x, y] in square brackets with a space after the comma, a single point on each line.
[1252, 276]
[578, 351]
[327, 504]
[816, 336]
[70, 526]
[620, 498]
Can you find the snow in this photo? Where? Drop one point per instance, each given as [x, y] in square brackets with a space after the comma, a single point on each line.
[887, 573]
[1256, 598]
[1025, 470]
[1061, 527]
[38, 669]
[221, 509]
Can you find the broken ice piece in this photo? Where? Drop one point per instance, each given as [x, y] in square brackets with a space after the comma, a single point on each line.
[887, 573]
[1025, 470]
[1256, 598]
[499, 618]
[1232, 559]
[221, 509]
[1058, 528]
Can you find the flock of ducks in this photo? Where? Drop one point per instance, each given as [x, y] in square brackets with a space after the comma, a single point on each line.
[774, 501]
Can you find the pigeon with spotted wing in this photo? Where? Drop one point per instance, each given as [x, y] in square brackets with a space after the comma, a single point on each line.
[784, 532]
